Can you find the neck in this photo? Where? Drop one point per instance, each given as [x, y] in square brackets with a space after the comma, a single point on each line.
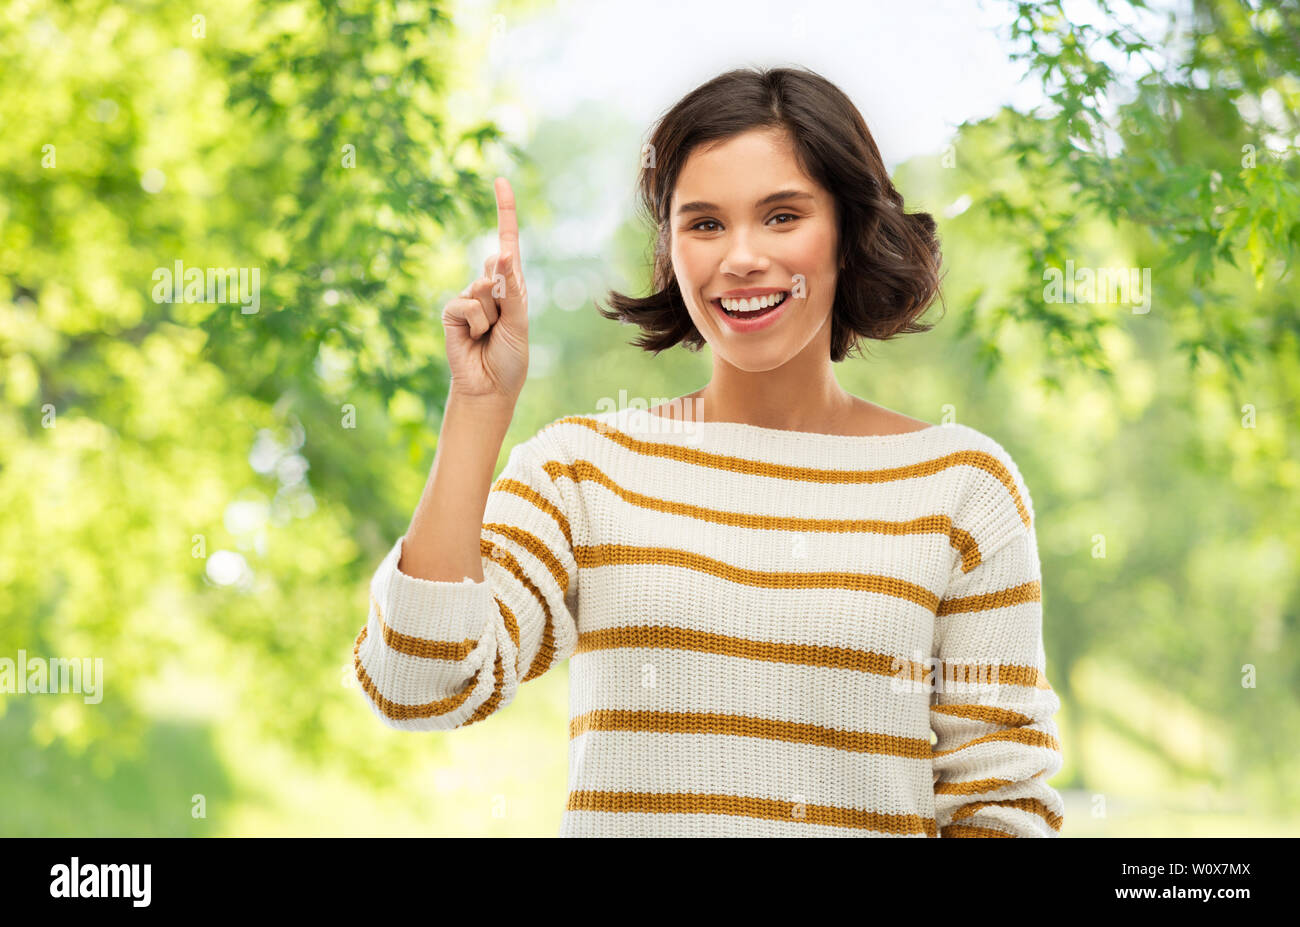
[794, 397]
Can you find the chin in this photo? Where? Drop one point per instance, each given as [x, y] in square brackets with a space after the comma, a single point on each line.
[754, 361]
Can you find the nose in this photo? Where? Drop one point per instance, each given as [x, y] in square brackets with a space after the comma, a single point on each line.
[741, 258]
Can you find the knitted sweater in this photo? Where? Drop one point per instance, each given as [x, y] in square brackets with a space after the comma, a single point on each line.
[769, 633]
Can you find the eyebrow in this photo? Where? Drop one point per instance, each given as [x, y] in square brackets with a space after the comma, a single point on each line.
[702, 206]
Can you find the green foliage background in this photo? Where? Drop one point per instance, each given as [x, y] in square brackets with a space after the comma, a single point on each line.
[138, 439]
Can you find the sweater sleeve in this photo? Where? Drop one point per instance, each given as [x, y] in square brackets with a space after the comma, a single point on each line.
[992, 709]
[441, 655]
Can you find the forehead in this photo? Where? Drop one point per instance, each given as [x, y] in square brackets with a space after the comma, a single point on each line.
[739, 170]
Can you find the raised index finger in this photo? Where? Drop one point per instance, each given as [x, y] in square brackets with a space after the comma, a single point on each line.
[507, 221]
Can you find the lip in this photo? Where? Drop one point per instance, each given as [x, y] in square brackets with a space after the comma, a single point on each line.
[766, 320]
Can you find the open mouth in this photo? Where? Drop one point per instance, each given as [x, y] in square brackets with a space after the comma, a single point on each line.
[751, 313]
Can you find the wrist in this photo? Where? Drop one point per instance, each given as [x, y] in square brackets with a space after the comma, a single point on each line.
[489, 405]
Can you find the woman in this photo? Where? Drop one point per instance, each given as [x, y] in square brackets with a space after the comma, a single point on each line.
[772, 592]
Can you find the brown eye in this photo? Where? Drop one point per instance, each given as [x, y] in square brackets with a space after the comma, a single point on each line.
[702, 222]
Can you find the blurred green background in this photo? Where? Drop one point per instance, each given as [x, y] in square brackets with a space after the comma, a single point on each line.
[199, 495]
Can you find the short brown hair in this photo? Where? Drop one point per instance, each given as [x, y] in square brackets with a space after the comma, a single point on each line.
[889, 260]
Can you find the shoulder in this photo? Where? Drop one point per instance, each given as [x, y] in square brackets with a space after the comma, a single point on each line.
[870, 418]
[568, 436]
[995, 501]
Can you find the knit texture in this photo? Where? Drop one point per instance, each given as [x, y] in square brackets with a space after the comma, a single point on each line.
[769, 633]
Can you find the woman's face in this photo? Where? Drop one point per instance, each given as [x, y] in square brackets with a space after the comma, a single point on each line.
[730, 233]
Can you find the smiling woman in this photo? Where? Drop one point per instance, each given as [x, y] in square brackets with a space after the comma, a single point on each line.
[771, 182]
[746, 606]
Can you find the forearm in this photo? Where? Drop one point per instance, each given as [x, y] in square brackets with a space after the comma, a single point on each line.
[440, 653]
[442, 542]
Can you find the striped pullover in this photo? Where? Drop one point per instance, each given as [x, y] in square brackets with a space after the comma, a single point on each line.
[769, 632]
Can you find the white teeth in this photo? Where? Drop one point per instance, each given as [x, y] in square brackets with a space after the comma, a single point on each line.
[754, 304]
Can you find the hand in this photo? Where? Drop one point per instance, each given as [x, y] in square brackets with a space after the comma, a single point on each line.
[486, 327]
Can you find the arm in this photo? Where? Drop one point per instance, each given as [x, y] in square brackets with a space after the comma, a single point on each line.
[997, 744]
[437, 653]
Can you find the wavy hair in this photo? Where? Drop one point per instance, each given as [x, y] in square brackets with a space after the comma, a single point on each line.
[889, 260]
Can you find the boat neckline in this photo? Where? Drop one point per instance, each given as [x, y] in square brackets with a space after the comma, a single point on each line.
[696, 427]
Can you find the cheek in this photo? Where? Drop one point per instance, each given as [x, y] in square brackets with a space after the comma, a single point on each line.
[815, 250]
[689, 265]
[693, 272]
